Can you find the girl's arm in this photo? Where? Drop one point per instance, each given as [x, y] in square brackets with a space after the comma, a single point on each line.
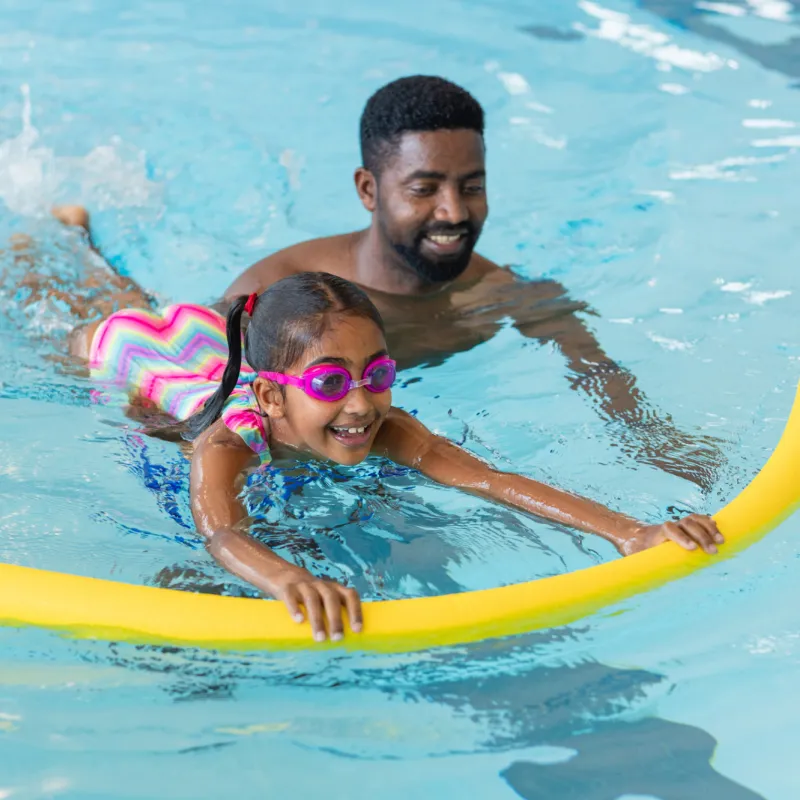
[218, 462]
[408, 442]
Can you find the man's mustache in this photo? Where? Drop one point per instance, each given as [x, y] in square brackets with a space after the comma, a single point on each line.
[463, 229]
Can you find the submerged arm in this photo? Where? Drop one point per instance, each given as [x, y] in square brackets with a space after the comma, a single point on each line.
[408, 442]
[218, 464]
[650, 437]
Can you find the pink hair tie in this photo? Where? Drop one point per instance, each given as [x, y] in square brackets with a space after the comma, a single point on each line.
[251, 304]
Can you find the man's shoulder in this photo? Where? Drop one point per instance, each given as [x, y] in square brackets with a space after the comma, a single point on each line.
[481, 269]
[327, 254]
[326, 249]
[484, 276]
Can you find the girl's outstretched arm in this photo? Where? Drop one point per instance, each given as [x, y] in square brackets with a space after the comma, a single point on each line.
[218, 463]
[408, 442]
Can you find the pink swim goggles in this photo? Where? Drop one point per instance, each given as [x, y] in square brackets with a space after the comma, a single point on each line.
[331, 383]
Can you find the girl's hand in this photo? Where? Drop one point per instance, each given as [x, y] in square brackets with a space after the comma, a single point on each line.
[323, 601]
[689, 532]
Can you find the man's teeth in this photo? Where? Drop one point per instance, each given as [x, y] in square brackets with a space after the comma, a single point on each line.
[444, 238]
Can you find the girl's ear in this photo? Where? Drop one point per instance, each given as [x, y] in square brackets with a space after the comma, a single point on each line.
[270, 398]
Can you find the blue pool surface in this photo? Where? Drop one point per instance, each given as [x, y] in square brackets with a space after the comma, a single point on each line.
[645, 155]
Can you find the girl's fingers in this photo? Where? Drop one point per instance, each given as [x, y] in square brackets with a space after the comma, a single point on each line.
[699, 533]
[711, 526]
[291, 600]
[675, 534]
[353, 604]
[324, 600]
[313, 605]
[333, 609]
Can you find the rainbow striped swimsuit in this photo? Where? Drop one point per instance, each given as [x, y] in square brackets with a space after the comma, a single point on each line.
[175, 359]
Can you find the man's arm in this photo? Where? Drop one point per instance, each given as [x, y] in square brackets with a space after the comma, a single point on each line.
[651, 438]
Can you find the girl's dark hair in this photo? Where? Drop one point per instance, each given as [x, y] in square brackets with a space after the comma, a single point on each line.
[286, 319]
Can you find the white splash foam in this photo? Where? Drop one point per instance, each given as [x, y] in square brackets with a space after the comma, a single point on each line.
[767, 123]
[759, 298]
[726, 169]
[722, 8]
[617, 27]
[759, 103]
[537, 134]
[671, 310]
[514, 83]
[660, 194]
[48, 318]
[779, 10]
[735, 286]
[293, 164]
[779, 141]
[670, 344]
[784, 643]
[623, 321]
[540, 107]
[674, 88]
[549, 141]
[755, 297]
[33, 177]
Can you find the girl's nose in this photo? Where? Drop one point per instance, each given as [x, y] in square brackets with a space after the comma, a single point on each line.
[358, 402]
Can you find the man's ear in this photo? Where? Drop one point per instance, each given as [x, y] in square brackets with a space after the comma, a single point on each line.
[270, 398]
[367, 188]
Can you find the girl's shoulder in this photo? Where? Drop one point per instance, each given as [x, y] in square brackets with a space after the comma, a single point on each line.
[220, 460]
[400, 435]
[219, 441]
[243, 418]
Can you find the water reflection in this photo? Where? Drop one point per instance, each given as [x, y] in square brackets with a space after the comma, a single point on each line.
[703, 20]
[653, 758]
[585, 718]
[715, 22]
[568, 726]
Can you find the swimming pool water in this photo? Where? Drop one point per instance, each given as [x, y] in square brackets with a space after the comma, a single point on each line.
[643, 154]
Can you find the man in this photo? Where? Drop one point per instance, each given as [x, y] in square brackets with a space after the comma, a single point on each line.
[423, 180]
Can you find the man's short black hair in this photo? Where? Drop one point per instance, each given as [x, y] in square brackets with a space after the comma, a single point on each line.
[414, 104]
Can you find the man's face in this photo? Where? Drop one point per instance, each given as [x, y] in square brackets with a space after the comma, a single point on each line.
[431, 201]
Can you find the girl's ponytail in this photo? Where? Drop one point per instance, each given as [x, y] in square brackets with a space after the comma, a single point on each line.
[211, 410]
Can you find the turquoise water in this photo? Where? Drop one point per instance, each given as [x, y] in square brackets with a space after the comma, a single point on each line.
[643, 154]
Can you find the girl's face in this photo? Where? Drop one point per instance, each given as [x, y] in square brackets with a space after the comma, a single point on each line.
[344, 430]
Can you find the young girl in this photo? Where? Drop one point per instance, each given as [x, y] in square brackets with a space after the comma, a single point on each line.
[316, 379]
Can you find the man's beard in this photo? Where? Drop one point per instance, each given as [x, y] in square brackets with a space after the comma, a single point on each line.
[443, 269]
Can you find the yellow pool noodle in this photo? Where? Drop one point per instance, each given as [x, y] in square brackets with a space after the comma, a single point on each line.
[106, 610]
